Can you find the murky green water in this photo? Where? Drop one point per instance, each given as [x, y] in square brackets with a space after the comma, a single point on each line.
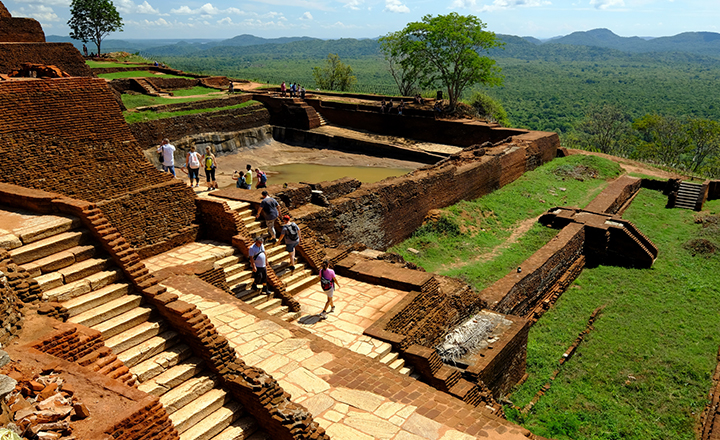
[311, 173]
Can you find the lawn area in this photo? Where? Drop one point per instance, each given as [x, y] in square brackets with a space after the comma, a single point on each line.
[107, 65]
[481, 241]
[645, 370]
[199, 90]
[138, 74]
[132, 101]
[149, 115]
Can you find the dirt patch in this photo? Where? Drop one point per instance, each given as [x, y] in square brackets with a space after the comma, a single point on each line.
[577, 172]
[632, 166]
[700, 247]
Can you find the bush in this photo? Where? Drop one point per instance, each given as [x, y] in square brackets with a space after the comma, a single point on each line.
[489, 108]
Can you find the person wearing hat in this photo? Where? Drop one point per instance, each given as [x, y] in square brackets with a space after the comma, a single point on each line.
[258, 261]
[291, 233]
[269, 211]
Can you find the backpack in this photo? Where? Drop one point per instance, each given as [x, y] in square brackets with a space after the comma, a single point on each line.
[263, 177]
[209, 163]
[193, 160]
[292, 234]
[325, 283]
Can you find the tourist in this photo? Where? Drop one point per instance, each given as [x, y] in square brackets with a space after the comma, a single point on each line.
[258, 262]
[85, 51]
[383, 105]
[269, 211]
[231, 88]
[390, 106]
[328, 282]
[302, 92]
[248, 176]
[291, 233]
[166, 150]
[401, 107]
[283, 88]
[239, 179]
[210, 165]
[192, 162]
[292, 90]
[261, 179]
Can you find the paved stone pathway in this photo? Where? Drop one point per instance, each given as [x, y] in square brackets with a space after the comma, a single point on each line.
[206, 250]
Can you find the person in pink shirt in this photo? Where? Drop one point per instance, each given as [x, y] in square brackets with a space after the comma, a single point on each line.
[328, 281]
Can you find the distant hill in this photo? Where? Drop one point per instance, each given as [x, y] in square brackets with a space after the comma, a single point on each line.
[251, 40]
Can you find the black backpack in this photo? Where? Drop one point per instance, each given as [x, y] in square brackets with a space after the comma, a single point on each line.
[292, 234]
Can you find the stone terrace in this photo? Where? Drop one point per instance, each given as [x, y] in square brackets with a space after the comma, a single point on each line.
[352, 396]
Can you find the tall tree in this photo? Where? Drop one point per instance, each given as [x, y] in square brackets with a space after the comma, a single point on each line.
[704, 139]
[606, 128]
[446, 50]
[93, 20]
[403, 71]
[662, 138]
[334, 75]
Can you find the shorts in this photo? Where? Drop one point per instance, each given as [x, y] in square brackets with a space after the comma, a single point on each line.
[290, 246]
[210, 175]
[261, 275]
[330, 292]
[194, 173]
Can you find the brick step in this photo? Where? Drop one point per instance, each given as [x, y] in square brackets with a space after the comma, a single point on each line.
[60, 260]
[148, 348]
[226, 262]
[383, 351]
[161, 362]
[198, 409]
[406, 370]
[96, 298]
[123, 322]
[397, 364]
[172, 377]
[48, 246]
[107, 311]
[301, 284]
[214, 423]
[240, 429]
[187, 391]
[389, 358]
[269, 305]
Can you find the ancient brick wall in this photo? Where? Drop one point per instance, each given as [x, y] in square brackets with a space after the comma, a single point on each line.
[75, 142]
[713, 190]
[151, 132]
[20, 30]
[420, 128]
[384, 213]
[615, 195]
[11, 312]
[4, 13]
[172, 83]
[62, 55]
[219, 222]
[517, 293]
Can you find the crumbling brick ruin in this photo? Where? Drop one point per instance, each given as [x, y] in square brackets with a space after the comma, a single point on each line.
[134, 291]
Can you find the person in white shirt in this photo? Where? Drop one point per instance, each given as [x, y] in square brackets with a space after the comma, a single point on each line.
[192, 162]
[168, 152]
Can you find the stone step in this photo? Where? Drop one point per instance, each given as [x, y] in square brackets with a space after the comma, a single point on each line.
[291, 316]
[214, 423]
[258, 300]
[60, 260]
[270, 304]
[123, 322]
[240, 429]
[226, 262]
[244, 291]
[186, 392]
[96, 298]
[278, 311]
[49, 281]
[45, 226]
[406, 370]
[107, 311]
[384, 350]
[284, 268]
[63, 292]
[84, 269]
[243, 269]
[292, 277]
[161, 362]
[260, 435]
[48, 246]
[198, 409]
[148, 348]
[172, 377]
[135, 335]
[388, 358]
[397, 364]
[237, 205]
[302, 284]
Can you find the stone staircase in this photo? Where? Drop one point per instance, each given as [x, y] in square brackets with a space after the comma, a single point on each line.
[322, 120]
[688, 195]
[239, 275]
[149, 88]
[75, 273]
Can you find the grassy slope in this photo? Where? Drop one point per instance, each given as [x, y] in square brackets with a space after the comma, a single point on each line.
[457, 244]
[138, 74]
[149, 115]
[644, 371]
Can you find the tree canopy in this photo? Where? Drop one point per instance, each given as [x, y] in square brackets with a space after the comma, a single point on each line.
[93, 20]
[446, 50]
[334, 75]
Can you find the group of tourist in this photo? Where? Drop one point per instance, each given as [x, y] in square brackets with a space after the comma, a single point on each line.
[269, 211]
[296, 90]
[386, 107]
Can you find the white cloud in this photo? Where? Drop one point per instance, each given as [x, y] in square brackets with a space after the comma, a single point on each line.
[306, 16]
[38, 12]
[396, 6]
[352, 4]
[47, 2]
[226, 20]
[463, 4]
[511, 4]
[129, 7]
[605, 4]
[182, 10]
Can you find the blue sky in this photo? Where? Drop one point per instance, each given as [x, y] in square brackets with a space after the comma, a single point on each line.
[372, 18]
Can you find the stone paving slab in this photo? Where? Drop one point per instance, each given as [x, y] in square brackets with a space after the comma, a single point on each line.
[205, 250]
[19, 227]
[350, 395]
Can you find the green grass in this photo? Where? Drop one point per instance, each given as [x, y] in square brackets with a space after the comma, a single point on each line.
[467, 241]
[149, 115]
[101, 64]
[132, 101]
[645, 370]
[199, 90]
[138, 74]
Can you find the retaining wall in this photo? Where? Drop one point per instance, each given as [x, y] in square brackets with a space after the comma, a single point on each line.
[62, 55]
[20, 30]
